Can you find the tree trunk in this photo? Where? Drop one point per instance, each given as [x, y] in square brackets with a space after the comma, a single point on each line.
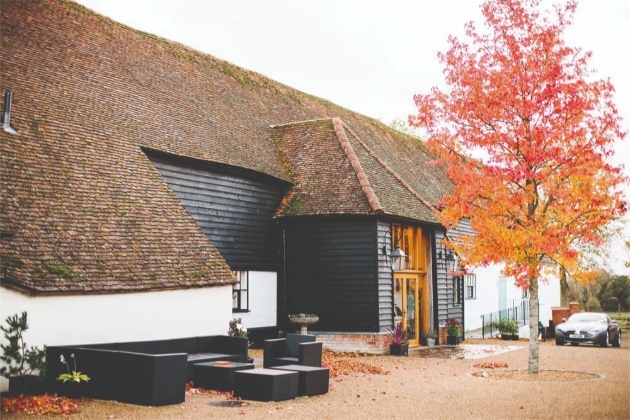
[532, 366]
[564, 288]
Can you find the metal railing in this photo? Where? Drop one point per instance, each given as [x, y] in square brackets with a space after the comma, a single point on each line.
[518, 312]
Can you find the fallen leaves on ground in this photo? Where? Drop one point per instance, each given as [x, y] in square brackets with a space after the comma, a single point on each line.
[342, 364]
[491, 365]
[40, 405]
[190, 390]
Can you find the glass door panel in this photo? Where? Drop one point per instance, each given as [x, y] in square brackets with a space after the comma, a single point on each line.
[408, 304]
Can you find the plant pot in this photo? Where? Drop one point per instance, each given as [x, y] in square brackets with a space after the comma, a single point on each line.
[430, 342]
[72, 389]
[399, 349]
[506, 336]
[452, 340]
[26, 385]
[514, 337]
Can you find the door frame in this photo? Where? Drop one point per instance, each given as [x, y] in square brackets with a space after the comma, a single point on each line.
[420, 302]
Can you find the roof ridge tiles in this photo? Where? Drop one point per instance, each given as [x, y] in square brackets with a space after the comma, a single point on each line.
[373, 201]
[388, 168]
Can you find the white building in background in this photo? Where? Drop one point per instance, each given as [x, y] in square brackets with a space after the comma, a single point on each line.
[487, 292]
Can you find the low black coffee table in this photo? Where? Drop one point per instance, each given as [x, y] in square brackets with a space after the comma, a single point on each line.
[217, 375]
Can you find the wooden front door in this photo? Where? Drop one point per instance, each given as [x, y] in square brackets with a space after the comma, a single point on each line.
[410, 304]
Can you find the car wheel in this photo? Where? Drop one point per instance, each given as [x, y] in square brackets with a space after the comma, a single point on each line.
[617, 341]
[559, 342]
[606, 342]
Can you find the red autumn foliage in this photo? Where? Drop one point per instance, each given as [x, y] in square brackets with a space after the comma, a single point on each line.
[525, 131]
[40, 405]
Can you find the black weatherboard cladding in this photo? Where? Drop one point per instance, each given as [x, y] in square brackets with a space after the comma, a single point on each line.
[330, 271]
[234, 209]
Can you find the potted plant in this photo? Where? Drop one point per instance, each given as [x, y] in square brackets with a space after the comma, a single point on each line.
[508, 329]
[73, 378]
[20, 361]
[429, 337]
[399, 345]
[453, 331]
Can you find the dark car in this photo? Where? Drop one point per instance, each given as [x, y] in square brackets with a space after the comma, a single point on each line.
[589, 328]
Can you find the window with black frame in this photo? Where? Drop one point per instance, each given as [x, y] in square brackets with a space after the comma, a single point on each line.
[240, 295]
[457, 289]
[471, 286]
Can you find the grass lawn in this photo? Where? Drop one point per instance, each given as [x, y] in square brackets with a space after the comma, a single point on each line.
[615, 315]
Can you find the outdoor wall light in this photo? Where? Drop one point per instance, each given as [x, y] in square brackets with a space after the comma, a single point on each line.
[450, 261]
[396, 260]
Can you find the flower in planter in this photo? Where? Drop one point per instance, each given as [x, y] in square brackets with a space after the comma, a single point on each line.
[75, 376]
[453, 327]
[398, 335]
[237, 329]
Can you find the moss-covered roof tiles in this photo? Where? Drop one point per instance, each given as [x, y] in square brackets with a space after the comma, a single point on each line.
[81, 207]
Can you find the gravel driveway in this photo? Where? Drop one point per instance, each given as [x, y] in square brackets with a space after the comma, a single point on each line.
[438, 387]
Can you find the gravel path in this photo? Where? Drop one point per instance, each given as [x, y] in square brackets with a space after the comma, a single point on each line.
[575, 382]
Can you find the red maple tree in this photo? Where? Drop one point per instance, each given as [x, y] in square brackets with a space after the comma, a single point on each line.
[526, 133]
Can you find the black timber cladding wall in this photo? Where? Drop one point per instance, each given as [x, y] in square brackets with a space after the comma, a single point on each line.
[331, 270]
[447, 308]
[385, 278]
[234, 209]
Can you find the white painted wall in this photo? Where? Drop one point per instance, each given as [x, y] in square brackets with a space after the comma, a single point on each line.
[84, 319]
[488, 296]
[263, 300]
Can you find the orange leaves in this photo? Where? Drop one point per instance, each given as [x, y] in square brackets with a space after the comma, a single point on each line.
[525, 134]
[491, 365]
[341, 364]
[40, 405]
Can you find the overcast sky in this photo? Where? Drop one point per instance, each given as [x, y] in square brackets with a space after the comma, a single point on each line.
[368, 56]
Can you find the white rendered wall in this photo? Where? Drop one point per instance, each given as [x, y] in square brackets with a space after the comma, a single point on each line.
[263, 297]
[488, 296]
[84, 319]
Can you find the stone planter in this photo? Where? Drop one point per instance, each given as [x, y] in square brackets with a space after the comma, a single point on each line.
[303, 320]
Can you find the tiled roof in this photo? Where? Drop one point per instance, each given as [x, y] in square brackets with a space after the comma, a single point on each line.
[85, 208]
[326, 156]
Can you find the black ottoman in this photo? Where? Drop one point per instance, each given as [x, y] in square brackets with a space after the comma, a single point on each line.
[266, 384]
[311, 380]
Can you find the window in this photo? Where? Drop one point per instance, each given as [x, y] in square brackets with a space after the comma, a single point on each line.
[240, 297]
[471, 286]
[525, 294]
[458, 285]
[412, 242]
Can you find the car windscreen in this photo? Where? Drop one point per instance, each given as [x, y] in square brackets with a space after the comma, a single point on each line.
[587, 318]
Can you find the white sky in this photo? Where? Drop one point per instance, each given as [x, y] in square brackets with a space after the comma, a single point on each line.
[368, 56]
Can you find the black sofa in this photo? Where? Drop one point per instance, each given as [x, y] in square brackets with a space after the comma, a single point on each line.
[151, 373]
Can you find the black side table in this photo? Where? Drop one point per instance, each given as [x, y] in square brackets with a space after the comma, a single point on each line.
[217, 375]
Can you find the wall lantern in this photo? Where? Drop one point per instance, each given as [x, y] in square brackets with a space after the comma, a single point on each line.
[449, 259]
[395, 260]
